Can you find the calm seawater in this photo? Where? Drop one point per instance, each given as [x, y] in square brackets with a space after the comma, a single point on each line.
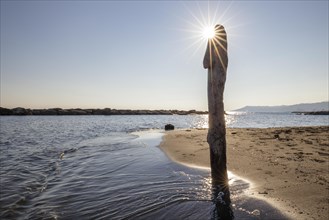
[109, 167]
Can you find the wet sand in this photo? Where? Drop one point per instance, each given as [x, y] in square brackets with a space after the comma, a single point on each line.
[288, 167]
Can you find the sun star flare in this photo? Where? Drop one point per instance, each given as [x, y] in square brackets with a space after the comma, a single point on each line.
[208, 32]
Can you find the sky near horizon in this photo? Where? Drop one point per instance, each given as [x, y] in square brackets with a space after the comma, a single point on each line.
[148, 55]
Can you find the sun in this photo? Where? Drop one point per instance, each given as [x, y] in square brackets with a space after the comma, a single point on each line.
[208, 32]
[199, 26]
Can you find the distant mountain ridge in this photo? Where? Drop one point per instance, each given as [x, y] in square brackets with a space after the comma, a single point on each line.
[303, 107]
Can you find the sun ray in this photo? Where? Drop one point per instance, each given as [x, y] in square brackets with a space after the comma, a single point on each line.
[201, 14]
[210, 55]
[215, 14]
[232, 27]
[203, 18]
[195, 17]
[228, 19]
[193, 44]
[209, 14]
[187, 30]
[195, 37]
[225, 11]
[218, 41]
[197, 49]
[220, 57]
[220, 44]
[199, 44]
[197, 27]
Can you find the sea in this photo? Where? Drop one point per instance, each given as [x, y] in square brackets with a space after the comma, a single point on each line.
[111, 167]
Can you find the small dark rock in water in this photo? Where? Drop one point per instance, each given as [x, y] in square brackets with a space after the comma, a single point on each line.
[169, 127]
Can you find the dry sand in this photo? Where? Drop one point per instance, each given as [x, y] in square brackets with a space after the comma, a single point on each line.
[286, 166]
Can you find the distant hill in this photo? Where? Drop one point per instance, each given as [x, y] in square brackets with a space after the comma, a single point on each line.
[304, 107]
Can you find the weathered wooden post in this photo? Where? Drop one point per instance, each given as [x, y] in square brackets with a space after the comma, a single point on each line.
[216, 60]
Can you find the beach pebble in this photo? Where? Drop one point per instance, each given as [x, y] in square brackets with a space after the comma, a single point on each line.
[277, 136]
[255, 212]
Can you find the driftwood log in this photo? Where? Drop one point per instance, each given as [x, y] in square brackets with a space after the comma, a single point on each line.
[216, 61]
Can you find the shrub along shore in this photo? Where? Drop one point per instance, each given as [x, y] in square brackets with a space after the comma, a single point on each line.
[109, 111]
[105, 111]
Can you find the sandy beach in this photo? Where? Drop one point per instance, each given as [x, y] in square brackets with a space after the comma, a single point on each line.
[289, 167]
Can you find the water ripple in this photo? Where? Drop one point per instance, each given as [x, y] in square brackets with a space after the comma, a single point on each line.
[93, 168]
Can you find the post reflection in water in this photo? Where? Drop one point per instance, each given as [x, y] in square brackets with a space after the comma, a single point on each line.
[222, 201]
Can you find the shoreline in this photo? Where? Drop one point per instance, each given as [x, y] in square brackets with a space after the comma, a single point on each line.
[286, 166]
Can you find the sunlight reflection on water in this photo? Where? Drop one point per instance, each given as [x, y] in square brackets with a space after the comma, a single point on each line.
[230, 119]
[94, 167]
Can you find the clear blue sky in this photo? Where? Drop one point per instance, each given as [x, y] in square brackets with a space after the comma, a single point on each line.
[146, 55]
